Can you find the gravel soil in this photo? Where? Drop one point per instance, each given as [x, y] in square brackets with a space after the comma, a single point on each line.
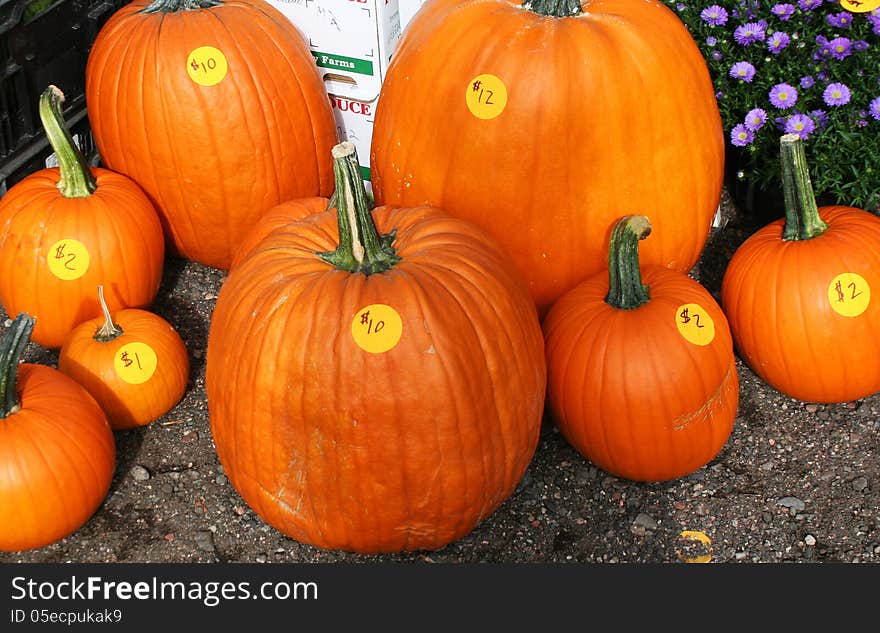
[796, 481]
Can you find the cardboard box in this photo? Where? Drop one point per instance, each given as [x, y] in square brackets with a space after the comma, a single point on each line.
[352, 42]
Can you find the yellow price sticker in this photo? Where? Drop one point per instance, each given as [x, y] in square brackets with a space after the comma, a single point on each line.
[694, 323]
[68, 259]
[486, 96]
[135, 362]
[376, 328]
[860, 6]
[207, 66]
[699, 537]
[849, 294]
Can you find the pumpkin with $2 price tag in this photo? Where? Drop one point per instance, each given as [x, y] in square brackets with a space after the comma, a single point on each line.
[383, 396]
[134, 364]
[641, 377]
[533, 119]
[217, 109]
[57, 453]
[64, 230]
[798, 294]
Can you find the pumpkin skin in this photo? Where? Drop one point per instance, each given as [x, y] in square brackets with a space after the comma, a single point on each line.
[129, 398]
[613, 104]
[57, 457]
[212, 158]
[375, 452]
[117, 227]
[628, 390]
[780, 298]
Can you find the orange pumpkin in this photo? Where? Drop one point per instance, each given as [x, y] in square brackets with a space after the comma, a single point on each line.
[383, 396]
[642, 377]
[57, 454]
[535, 120]
[66, 229]
[217, 109]
[134, 363]
[798, 294]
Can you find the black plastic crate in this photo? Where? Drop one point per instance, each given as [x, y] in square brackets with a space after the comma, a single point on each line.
[43, 42]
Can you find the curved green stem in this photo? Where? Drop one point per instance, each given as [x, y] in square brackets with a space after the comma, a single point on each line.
[109, 330]
[171, 6]
[77, 180]
[625, 288]
[554, 8]
[802, 220]
[361, 248]
[11, 348]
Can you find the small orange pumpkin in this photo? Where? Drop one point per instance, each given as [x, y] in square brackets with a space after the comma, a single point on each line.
[642, 378]
[66, 229]
[798, 294]
[134, 363]
[57, 453]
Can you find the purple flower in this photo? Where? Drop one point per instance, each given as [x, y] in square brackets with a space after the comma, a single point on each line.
[777, 42]
[822, 76]
[680, 6]
[874, 108]
[755, 119]
[874, 19]
[841, 20]
[799, 124]
[841, 47]
[741, 136]
[714, 15]
[748, 33]
[860, 45]
[743, 70]
[820, 117]
[836, 94]
[807, 82]
[783, 96]
[711, 40]
[783, 11]
[717, 55]
[809, 5]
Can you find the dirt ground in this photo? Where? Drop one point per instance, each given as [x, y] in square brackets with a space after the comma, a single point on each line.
[796, 481]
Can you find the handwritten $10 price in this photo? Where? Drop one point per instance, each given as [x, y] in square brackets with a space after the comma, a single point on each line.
[376, 328]
[207, 66]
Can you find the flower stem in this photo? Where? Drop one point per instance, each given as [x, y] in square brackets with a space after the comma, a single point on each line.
[77, 180]
[625, 288]
[361, 248]
[172, 6]
[109, 330]
[11, 348]
[802, 221]
[553, 8]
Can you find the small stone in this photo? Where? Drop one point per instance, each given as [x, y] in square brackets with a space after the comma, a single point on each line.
[189, 437]
[645, 521]
[220, 480]
[860, 484]
[810, 540]
[139, 473]
[238, 510]
[169, 537]
[740, 556]
[792, 503]
[766, 517]
[204, 541]
[198, 353]
[811, 408]
[261, 558]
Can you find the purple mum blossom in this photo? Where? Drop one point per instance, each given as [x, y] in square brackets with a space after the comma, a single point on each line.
[809, 5]
[755, 119]
[777, 42]
[800, 124]
[841, 20]
[822, 76]
[743, 70]
[741, 136]
[783, 96]
[680, 6]
[820, 117]
[874, 108]
[711, 40]
[841, 47]
[749, 33]
[860, 45]
[714, 15]
[836, 94]
[807, 82]
[783, 11]
[717, 55]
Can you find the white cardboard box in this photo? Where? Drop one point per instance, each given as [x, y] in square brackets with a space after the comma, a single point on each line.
[352, 42]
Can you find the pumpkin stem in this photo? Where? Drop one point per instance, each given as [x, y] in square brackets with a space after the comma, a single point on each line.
[361, 248]
[109, 330]
[77, 180]
[802, 220]
[554, 8]
[172, 6]
[11, 348]
[625, 288]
